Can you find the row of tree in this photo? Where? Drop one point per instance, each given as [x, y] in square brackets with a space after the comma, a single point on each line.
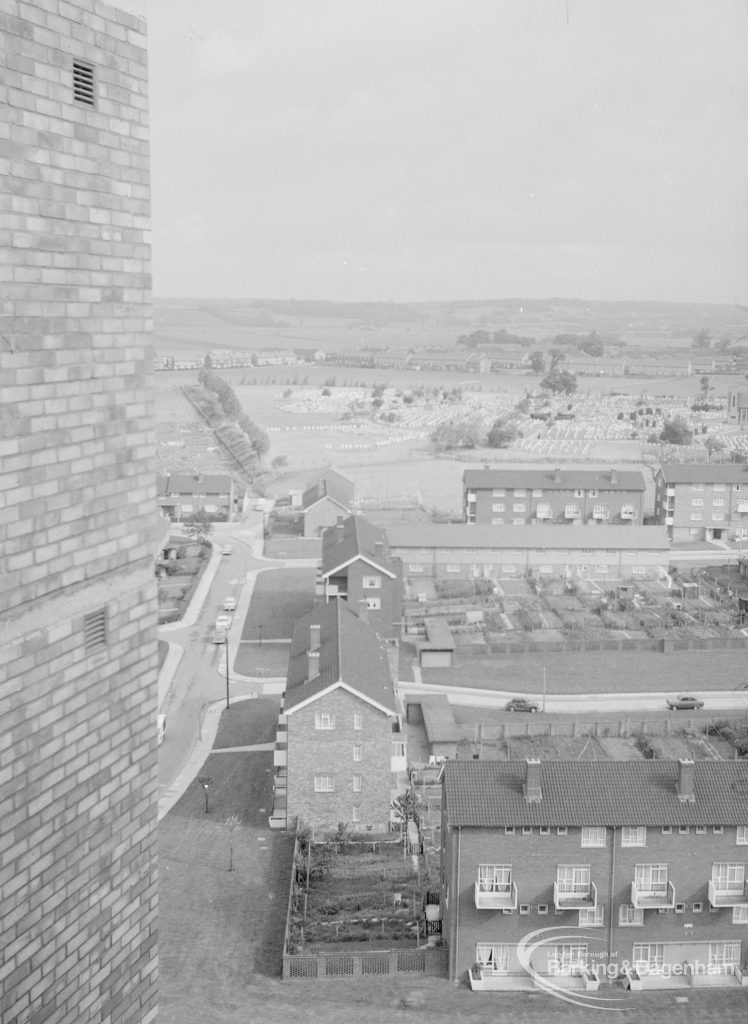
[233, 411]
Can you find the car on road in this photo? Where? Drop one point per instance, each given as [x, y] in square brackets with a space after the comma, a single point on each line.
[684, 703]
[223, 622]
[220, 636]
[228, 550]
[522, 704]
[229, 605]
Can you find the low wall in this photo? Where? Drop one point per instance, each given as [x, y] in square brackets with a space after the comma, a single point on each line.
[430, 962]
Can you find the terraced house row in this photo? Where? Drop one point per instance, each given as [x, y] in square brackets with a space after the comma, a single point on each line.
[644, 861]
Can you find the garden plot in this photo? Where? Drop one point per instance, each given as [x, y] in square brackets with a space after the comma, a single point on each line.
[356, 895]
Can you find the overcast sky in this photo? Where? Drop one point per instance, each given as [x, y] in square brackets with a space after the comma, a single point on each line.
[429, 149]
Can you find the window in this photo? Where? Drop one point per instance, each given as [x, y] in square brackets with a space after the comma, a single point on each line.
[452, 567]
[634, 836]
[95, 631]
[374, 604]
[593, 837]
[718, 516]
[724, 957]
[579, 493]
[324, 783]
[543, 511]
[498, 506]
[518, 506]
[696, 517]
[593, 493]
[518, 521]
[537, 492]
[728, 877]
[524, 908]
[544, 830]
[415, 567]
[497, 521]
[592, 917]
[667, 830]
[740, 915]
[680, 908]
[742, 836]
[509, 830]
[322, 720]
[372, 582]
[356, 751]
[638, 570]
[697, 502]
[573, 878]
[648, 956]
[651, 879]
[83, 83]
[494, 877]
[629, 916]
[542, 909]
[527, 830]
[599, 512]
[700, 830]
[719, 502]
[717, 830]
[570, 958]
[357, 783]
[697, 907]
[571, 512]
[697, 487]
[683, 830]
[355, 813]
[720, 487]
[358, 721]
[498, 492]
[492, 958]
[520, 492]
[562, 830]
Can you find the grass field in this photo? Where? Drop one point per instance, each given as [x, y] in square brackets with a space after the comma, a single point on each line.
[280, 596]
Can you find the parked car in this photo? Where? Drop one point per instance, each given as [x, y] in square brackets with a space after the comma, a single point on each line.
[223, 622]
[522, 704]
[229, 605]
[228, 550]
[219, 636]
[684, 703]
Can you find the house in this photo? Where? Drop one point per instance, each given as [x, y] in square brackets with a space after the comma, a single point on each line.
[182, 494]
[321, 505]
[702, 501]
[517, 497]
[737, 406]
[340, 745]
[550, 869]
[459, 551]
[357, 565]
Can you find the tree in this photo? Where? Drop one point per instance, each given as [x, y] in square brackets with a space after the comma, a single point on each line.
[556, 356]
[537, 362]
[502, 434]
[675, 431]
[279, 462]
[701, 339]
[559, 382]
[232, 823]
[592, 345]
[705, 387]
[455, 435]
[198, 526]
[713, 444]
[405, 808]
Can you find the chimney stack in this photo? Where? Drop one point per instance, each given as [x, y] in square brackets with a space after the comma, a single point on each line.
[314, 631]
[312, 665]
[686, 792]
[363, 610]
[557, 476]
[533, 792]
[378, 547]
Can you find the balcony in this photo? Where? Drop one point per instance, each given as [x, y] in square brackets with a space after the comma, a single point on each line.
[600, 513]
[743, 507]
[653, 897]
[728, 894]
[496, 899]
[280, 753]
[544, 512]
[572, 512]
[577, 897]
[628, 512]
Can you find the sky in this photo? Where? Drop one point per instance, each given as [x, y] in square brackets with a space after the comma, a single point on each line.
[411, 150]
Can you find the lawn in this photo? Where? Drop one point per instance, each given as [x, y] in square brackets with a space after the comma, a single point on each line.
[282, 546]
[586, 671]
[267, 661]
[280, 596]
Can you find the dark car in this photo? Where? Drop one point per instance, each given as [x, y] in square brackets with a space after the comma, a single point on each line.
[683, 703]
[522, 704]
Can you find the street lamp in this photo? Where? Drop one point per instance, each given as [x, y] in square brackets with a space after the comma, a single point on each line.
[259, 632]
[228, 705]
[205, 781]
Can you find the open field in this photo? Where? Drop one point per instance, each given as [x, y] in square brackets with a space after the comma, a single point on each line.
[280, 596]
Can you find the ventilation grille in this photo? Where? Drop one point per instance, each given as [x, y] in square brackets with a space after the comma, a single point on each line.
[83, 83]
[95, 631]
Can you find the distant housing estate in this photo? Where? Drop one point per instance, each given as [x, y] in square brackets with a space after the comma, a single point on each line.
[516, 497]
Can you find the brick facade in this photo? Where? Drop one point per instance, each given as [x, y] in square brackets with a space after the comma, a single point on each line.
[330, 752]
[78, 873]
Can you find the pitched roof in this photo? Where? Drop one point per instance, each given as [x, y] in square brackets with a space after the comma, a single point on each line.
[350, 653]
[502, 538]
[355, 538]
[704, 473]
[489, 794]
[186, 483]
[568, 479]
[325, 489]
[342, 484]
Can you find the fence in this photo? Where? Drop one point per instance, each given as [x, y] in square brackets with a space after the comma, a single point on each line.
[623, 728]
[664, 644]
[431, 962]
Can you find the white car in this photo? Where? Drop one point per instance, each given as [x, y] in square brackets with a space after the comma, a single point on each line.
[228, 550]
[223, 623]
[229, 605]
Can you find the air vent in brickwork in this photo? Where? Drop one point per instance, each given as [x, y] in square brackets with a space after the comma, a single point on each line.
[83, 83]
[95, 631]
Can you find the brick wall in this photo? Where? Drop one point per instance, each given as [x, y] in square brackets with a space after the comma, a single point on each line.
[313, 751]
[534, 860]
[78, 782]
